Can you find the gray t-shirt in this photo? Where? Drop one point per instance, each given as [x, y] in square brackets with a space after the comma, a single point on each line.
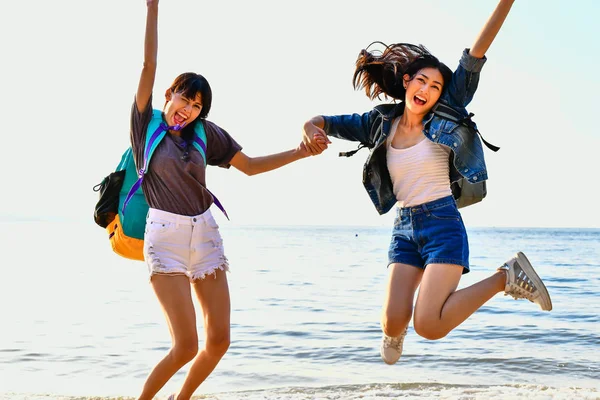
[172, 184]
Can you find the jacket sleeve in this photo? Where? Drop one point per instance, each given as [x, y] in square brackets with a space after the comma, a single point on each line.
[353, 127]
[464, 80]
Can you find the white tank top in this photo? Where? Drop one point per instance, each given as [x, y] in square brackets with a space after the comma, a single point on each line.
[420, 173]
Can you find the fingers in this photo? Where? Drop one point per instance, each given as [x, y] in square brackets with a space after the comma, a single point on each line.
[306, 151]
[318, 144]
[315, 139]
[319, 138]
[308, 142]
[312, 145]
[322, 133]
[314, 148]
[321, 141]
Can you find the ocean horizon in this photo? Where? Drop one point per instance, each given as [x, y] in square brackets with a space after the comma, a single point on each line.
[79, 322]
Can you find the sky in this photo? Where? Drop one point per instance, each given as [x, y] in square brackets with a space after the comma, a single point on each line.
[70, 70]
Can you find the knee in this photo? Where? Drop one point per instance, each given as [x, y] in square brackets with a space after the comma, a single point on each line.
[217, 343]
[184, 351]
[394, 324]
[429, 328]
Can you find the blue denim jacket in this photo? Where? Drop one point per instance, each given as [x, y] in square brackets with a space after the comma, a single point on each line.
[372, 128]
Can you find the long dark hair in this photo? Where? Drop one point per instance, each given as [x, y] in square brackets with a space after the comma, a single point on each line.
[189, 84]
[381, 72]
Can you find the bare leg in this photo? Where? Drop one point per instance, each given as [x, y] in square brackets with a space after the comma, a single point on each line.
[174, 295]
[213, 294]
[440, 308]
[403, 281]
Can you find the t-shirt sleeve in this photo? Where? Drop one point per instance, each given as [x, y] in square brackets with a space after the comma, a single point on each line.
[221, 147]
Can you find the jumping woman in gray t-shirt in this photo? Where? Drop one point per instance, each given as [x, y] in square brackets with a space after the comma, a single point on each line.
[182, 245]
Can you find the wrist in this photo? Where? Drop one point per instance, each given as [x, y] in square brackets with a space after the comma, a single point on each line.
[299, 153]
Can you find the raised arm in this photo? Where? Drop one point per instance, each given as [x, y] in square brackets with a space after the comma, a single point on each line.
[148, 75]
[490, 29]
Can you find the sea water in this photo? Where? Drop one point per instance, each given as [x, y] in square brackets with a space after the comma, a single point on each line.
[79, 322]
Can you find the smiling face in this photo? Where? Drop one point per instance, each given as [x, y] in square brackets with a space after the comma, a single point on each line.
[181, 110]
[423, 90]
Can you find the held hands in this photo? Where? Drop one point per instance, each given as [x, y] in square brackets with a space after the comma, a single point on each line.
[319, 141]
[314, 139]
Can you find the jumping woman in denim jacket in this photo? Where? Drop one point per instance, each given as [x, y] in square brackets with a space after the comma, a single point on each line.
[415, 155]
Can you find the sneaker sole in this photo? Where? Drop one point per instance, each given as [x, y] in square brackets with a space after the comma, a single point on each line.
[545, 301]
[386, 361]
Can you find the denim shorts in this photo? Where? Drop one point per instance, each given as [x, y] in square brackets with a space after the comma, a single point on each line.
[430, 233]
[178, 244]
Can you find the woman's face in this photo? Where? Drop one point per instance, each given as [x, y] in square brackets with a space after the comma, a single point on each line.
[423, 90]
[180, 110]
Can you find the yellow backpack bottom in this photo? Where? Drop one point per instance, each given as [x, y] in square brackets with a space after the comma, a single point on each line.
[122, 244]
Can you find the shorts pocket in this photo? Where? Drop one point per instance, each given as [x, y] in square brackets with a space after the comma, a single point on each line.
[157, 226]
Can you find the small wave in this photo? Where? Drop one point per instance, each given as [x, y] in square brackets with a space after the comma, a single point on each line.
[378, 391]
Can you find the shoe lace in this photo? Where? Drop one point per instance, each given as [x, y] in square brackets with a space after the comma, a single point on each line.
[522, 287]
[394, 342]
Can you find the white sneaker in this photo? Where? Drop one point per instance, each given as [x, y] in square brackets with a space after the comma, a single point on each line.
[391, 348]
[522, 282]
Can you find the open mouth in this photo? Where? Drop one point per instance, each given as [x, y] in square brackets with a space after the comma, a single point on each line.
[179, 118]
[419, 100]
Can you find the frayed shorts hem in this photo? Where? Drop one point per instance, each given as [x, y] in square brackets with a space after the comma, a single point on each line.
[201, 275]
[197, 275]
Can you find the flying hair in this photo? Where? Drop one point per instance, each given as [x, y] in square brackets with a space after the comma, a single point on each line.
[380, 72]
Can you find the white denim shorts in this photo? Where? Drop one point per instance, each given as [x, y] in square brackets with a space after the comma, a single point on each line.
[178, 244]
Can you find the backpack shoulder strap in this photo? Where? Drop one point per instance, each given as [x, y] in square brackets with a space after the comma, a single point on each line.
[157, 129]
[200, 140]
[445, 111]
[200, 144]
